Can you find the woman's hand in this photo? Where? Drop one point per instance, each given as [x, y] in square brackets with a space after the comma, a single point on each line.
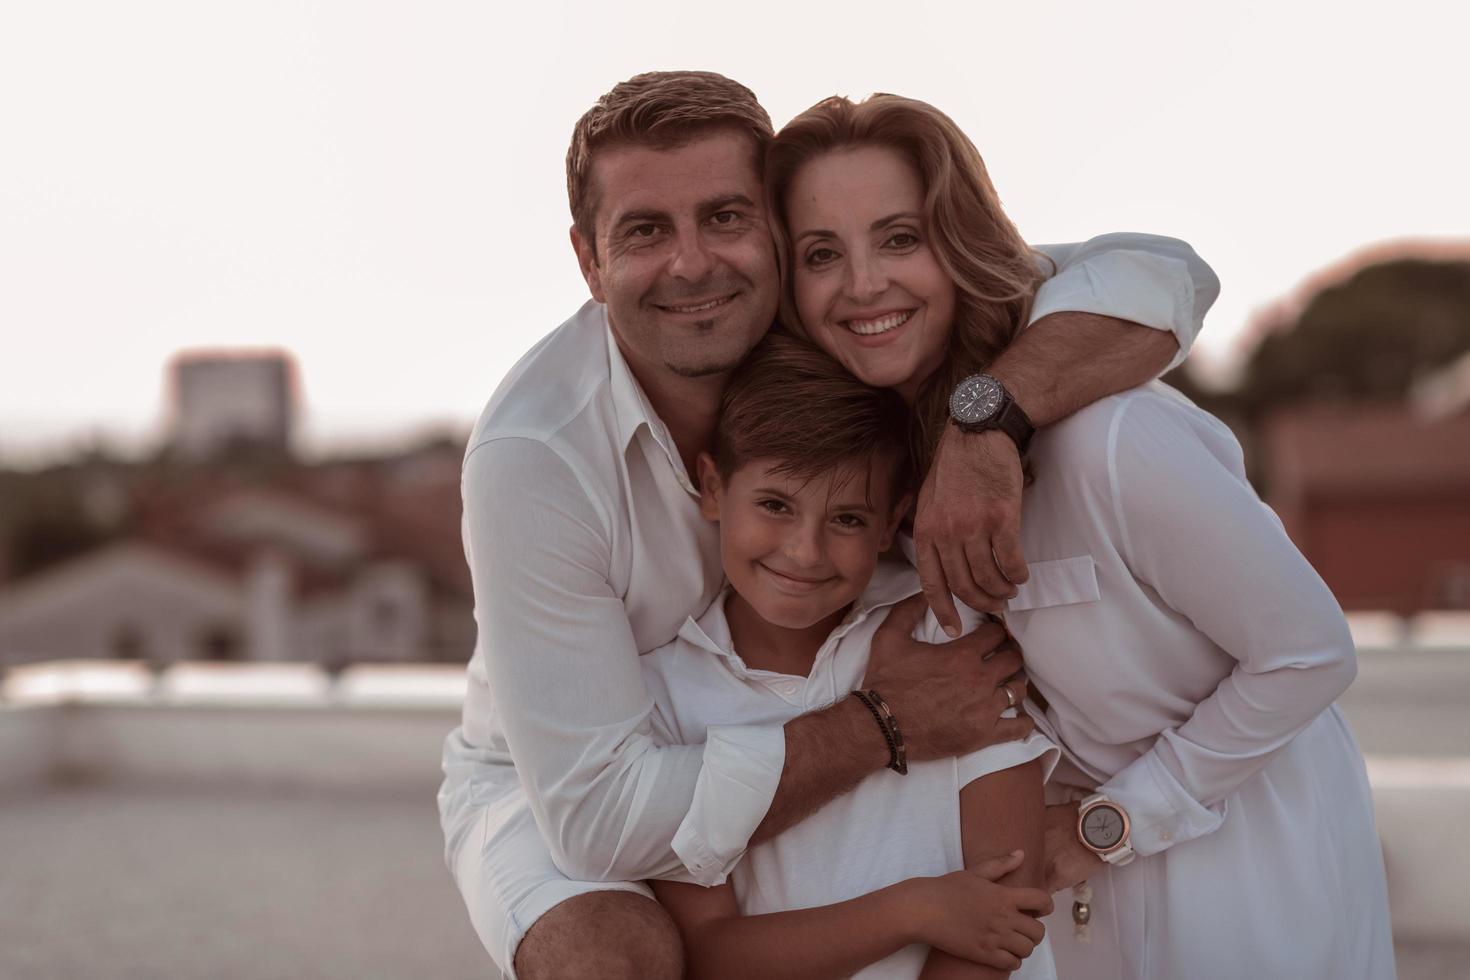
[968, 915]
[1068, 862]
[967, 530]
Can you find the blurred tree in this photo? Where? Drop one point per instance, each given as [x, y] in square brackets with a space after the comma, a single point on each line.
[1369, 338]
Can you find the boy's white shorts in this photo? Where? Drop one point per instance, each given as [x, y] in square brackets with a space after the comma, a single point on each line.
[508, 879]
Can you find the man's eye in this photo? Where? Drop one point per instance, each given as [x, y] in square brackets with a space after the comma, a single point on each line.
[725, 217]
[643, 231]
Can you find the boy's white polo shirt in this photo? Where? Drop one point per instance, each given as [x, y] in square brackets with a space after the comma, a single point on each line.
[889, 828]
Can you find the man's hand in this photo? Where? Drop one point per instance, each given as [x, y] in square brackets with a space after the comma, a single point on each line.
[946, 697]
[1068, 862]
[967, 532]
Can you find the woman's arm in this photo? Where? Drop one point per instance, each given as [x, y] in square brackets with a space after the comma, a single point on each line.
[1000, 812]
[1190, 527]
[966, 911]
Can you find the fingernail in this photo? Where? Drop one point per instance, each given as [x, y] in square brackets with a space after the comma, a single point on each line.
[953, 631]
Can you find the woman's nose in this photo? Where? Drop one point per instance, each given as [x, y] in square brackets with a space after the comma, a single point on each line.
[865, 279]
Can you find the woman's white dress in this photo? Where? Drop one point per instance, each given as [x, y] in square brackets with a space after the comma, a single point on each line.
[1190, 657]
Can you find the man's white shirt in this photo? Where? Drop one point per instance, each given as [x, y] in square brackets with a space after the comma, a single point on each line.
[586, 546]
[890, 827]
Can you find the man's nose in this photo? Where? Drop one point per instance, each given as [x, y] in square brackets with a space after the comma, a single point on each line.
[691, 260]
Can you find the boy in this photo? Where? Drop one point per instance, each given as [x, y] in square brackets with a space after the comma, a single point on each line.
[811, 479]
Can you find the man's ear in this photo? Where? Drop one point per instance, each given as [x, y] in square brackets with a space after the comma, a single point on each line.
[711, 488]
[895, 520]
[587, 261]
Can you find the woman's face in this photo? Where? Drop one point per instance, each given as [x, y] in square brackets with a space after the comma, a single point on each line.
[868, 286]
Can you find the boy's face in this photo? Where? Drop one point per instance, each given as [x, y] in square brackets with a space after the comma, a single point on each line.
[800, 551]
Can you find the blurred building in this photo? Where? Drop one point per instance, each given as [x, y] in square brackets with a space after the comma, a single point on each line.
[1378, 499]
[338, 563]
[224, 400]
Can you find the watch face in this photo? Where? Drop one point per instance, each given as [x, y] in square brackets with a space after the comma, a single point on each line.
[975, 399]
[1103, 827]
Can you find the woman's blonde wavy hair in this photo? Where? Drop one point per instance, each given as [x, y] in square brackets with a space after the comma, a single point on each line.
[995, 272]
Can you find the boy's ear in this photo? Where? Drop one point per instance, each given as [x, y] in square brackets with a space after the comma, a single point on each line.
[710, 488]
[587, 261]
[896, 519]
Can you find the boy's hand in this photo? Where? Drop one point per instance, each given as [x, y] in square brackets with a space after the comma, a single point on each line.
[968, 915]
[967, 528]
[946, 697]
[1068, 862]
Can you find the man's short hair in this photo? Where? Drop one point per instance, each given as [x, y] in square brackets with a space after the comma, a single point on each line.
[664, 110]
[792, 403]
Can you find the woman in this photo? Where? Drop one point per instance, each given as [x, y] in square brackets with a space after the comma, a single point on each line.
[1186, 653]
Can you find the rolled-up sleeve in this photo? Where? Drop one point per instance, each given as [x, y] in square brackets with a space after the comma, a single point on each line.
[1151, 280]
[559, 679]
[1193, 529]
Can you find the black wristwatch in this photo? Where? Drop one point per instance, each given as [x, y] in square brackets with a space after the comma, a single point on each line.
[980, 403]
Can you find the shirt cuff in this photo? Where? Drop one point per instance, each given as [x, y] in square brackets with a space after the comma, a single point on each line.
[1141, 287]
[1160, 811]
[742, 765]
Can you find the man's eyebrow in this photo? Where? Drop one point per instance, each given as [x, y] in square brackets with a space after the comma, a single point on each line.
[724, 201]
[641, 216]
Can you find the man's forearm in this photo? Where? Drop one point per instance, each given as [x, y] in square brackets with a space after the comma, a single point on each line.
[1065, 361]
[828, 753]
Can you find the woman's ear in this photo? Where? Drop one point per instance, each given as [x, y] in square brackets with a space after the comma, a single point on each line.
[710, 488]
[895, 519]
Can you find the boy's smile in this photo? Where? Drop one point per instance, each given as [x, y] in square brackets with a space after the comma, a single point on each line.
[798, 552]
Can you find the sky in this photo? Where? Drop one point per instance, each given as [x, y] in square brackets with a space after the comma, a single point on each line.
[379, 187]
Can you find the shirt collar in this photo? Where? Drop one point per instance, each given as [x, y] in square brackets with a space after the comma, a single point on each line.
[892, 582]
[633, 409]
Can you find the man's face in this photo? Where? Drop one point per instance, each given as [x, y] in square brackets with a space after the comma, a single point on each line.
[684, 258]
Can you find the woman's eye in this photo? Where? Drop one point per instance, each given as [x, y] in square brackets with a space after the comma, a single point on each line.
[903, 239]
[820, 256]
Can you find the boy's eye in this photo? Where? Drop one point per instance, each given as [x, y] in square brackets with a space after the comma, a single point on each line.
[851, 521]
[774, 506]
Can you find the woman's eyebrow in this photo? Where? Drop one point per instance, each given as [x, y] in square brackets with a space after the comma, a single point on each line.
[890, 219]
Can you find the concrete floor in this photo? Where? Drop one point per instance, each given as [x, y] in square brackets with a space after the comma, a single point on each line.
[133, 883]
[151, 883]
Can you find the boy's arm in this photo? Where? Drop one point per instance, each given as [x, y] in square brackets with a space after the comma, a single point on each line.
[966, 911]
[1000, 812]
[806, 944]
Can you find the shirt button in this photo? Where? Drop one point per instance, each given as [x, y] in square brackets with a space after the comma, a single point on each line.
[1166, 837]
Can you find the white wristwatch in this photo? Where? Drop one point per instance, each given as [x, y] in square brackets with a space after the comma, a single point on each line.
[1103, 828]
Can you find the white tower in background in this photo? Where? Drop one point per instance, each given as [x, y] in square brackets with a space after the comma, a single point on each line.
[223, 399]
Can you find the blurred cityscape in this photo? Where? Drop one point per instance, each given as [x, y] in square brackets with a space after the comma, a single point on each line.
[225, 669]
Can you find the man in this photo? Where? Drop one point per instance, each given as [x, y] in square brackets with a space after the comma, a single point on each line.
[583, 534]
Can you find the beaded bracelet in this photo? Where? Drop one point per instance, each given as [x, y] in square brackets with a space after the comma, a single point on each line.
[888, 725]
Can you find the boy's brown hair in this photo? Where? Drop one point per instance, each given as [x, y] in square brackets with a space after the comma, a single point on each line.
[664, 110]
[791, 402]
